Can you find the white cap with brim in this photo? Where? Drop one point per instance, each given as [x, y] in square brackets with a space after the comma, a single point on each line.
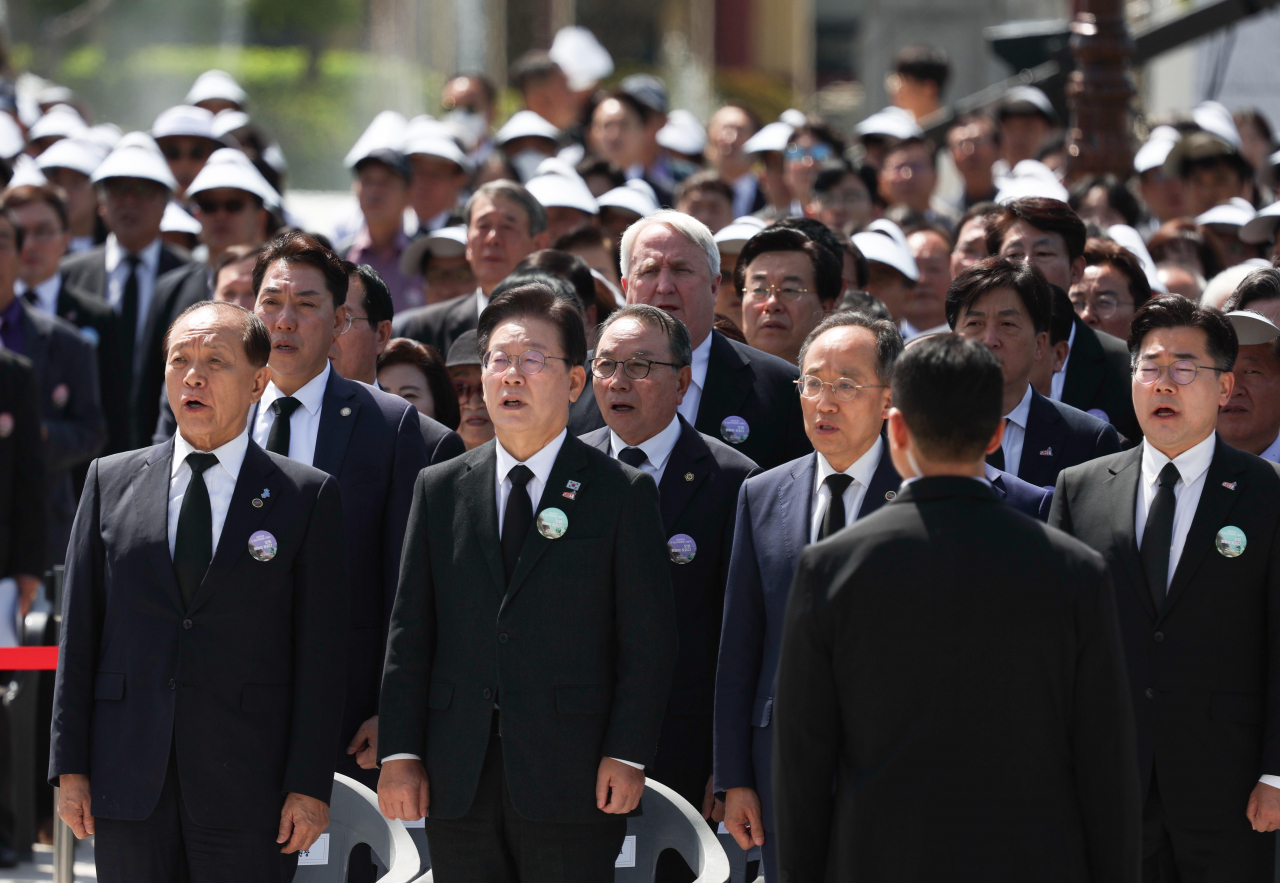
[793, 117]
[61, 121]
[385, 132]
[683, 133]
[227, 167]
[1216, 119]
[1029, 178]
[438, 145]
[11, 138]
[634, 196]
[184, 120]
[889, 228]
[55, 94]
[76, 154]
[526, 124]
[25, 171]
[1262, 228]
[136, 156]
[884, 249]
[215, 85]
[1155, 151]
[447, 242]
[772, 138]
[227, 121]
[1131, 240]
[579, 54]
[1252, 328]
[892, 122]
[563, 191]
[731, 238]
[105, 135]
[1027, 98]
[1236, 212]
[176, 219]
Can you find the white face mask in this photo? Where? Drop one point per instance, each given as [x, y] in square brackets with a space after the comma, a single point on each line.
[473, 125]
[526, 163]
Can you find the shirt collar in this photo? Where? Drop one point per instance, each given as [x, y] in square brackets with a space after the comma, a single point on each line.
[311, 395]
[1022, 410]
[46, 291]
[482, 301]
[657, 448]
[1272, 452]
[230, 456]
[862, 470]
[363, 241]
[1191, 463]
[115, 253]
[540, 463]
[701, 358]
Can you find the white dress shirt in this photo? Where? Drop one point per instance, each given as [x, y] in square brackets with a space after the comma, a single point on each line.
[79, 244]
[657, 448]
[220, 480]
[693, 396]
[1193, 466]
[304, 426]
[118, 272]
[1272, 453]
[46, 293]
[1015, 432]
[744, 194]
[862, 471]
[482, 301]
[1060, 377]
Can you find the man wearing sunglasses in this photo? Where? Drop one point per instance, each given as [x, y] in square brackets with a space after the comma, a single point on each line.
[185, 135]
[1191, 530]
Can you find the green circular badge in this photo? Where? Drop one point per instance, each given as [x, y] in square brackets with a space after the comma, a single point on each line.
[1230, 542]
[552, 523]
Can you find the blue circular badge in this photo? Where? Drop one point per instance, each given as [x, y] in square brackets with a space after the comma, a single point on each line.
[734, 430]
[681, 548]
[1230, 542]
[262, 545]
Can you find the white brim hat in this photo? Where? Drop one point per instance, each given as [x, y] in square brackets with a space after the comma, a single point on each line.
[25, 171]
[772, 138]
[1029, 178]
[882, 248]
[732, 237]
[61, 121]
[634, 196]
[11, 138]
[215, 85]
[892, 122]
[176, 219]
[889, 228]
[1261, 229]
[447, 242]
[1236, 212]
[579, 54]
[1131, 240]
[136, 156]
[439, 145]
[526, 124]
[1216, 119]
[562, 191]
[1030, 98]
[105, 135]
[1252, 328]
[227, 121]
[227, 167]
[683, 133]
[76, 154]
[1155, 151]
[184, 120]
[385, 132]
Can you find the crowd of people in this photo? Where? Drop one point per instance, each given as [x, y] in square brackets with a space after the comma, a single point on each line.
[910, 508]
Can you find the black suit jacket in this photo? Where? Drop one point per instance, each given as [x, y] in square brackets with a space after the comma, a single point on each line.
[67, 372]
[248, 678]
[1204, 671]
[438, 325]
[1059, 436]
[133, 401]
[1098, 379]
[23, 543]
[442, 442]
[741, 382]
[910, 666]
[578, 647]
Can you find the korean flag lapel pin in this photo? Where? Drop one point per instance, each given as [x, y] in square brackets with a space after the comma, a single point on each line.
[571, 490]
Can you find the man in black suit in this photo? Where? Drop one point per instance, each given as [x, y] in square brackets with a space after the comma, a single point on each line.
[200, 675]
[134, 184]
[641, 372]
[1050, 236]
[505, 224]
[1005, 306]
[530, 657]
[738, 394]
[1191, 531]
[369, 440]
[914, 671]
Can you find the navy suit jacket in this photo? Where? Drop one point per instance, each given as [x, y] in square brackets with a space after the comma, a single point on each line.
[1059, 436]
[247, 677]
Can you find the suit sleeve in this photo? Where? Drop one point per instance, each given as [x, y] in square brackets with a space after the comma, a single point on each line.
[1046, 505]
[797, 442]
[806, 735]
[1104, 745]
[1107, 441]
[741, 653]
[83, 600]
[410, 459]
[449, 446]
[1271, 732]
[411, 642]
[81, 432]
[1059, 510]
[321, 600]
[645, 626]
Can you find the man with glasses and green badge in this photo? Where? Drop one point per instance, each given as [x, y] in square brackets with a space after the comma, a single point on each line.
[1190, 528]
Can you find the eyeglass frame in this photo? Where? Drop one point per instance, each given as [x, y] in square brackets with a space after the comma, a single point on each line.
[800, 384]
[484, 362]
[648, 363]
[1080, 306]
[1168, 369]
[748, 290]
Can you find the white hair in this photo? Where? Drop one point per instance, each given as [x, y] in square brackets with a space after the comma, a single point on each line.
[686, 225]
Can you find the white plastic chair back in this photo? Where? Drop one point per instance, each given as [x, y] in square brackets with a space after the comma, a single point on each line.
[670, 822]
[354, 818]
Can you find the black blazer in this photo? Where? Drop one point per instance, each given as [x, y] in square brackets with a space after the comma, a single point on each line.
[438, 325]
[248, 679]
[910, 666]
[23, 543]
[66, 369]
[1202, 671]
[1059, 436]
[741, 382]
[578, 648]
[1098, 380]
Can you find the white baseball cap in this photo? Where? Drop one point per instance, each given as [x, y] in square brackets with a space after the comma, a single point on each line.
[892, 122]
[1261, 228]
[176, 219]
[136, 156]
[1024, 98]
[215, 84]
[882, 248]
[1236, 212]
[634, 196]
[683, 133]
[25, 171]
[579, 54]
[62, 121]
[526, 124]
[1030, 177]
[77, 154]
[1131, 240]
[439, 145]
[11, 138]
[772, 138]
[562, 191]
[1252, 328]
[185, 119]
[1217, 120]
[227, 167]
[731, 238]
[447, 242]
[385, 132]
[227, 121]
[1155, 151]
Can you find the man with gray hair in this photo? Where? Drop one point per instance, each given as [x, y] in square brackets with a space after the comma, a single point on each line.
[505, 224]
[641, 374]
[736, 393]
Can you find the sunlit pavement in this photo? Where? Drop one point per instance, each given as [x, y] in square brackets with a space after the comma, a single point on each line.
[41, 867]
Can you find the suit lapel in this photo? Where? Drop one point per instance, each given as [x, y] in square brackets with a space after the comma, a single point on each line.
[1216, 500]
[36, 346]
[478, 484]
[335, 429]
[685, 473]
[1122, 497]
[243, 518]
[152, 501]
[794, 502]
[884, 482]
[732, 379]
[1085, 370]
[1043, 433]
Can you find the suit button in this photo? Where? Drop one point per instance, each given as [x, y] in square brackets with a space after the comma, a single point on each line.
[488, 694]
[502, 638]
[186, 623]
[172, 685]
[1151, 694]
[1159, 636]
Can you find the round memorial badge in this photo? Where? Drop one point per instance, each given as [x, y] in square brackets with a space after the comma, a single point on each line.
[262, 545]
[682, 548]
[1230, 542]
[552, 523]
[734, 430]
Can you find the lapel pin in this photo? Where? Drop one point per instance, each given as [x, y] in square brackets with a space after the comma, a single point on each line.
[266, 492]
[573, 485]
[681, 548]
[262, 545]
[552, 523]
[61, 394]
[1230, 542]
[1229, 485]
[257, 504]
[1047, 452]
[345, 412]
[891, 495]
[688, 476]
[734, 430]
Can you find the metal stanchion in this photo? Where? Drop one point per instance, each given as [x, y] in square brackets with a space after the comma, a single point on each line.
[64, 848]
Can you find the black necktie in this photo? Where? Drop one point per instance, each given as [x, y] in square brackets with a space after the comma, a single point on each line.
[278, 435]
[996, 458]
[193, 545]
[516, 518]
[835, 519]
[129, 313]
[1157, 537]
[632, 456]
[30, 297]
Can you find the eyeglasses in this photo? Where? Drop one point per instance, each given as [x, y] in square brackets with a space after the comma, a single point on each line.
[818, 153]
[352, 320]
[1181, 372]
[1104, 306]
[141, 187]
[233, 206]
[174, 152]
[528, 362]
[844, 389]
[785, 293]
[636, 369]
[463, 389]
[832, 199]
[906, 169]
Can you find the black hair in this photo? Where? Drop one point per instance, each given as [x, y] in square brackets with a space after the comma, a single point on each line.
[1259, 286]
[1098, 252]
[539, 300]
[1061, 315]
[424, 357]
[1049, 215]
[992, 273]
[297, 247]
[1119, 197]
[924, 63]
[828, 281]
[950, 391]
[569, 267]
[1176, 311]
[823, 235]
[673, 329]
[377, 297]
[531, 69]
[254, 335]
[888, 339]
